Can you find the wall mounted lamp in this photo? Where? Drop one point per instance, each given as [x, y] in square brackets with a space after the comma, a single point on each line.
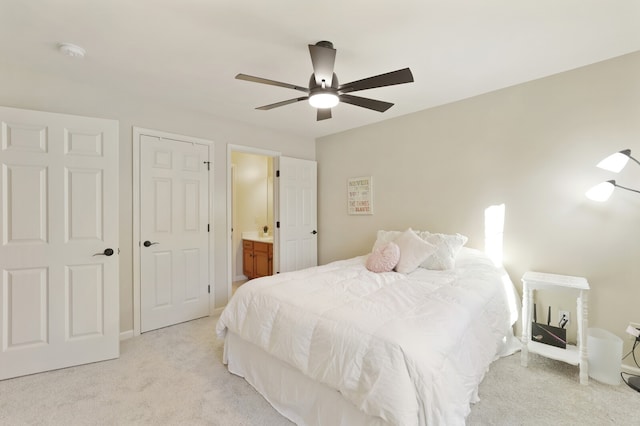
[613, 163]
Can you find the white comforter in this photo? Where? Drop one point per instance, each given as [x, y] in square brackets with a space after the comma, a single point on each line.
[410, 349]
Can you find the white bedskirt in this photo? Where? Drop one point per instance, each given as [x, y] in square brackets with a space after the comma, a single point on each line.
[292, 394]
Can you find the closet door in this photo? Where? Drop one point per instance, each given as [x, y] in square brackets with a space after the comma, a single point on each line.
[174, 231]
[59, 302]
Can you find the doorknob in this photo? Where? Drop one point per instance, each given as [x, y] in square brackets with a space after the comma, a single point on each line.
[314, 232]
[149, 243]
[106, 252]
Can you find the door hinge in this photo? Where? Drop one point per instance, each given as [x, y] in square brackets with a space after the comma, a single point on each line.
[208, 163]
[208, 229]
[277, 173]
[278, 224]
[209, 289]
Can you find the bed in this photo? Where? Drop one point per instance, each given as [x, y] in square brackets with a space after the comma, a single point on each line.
[339, 344]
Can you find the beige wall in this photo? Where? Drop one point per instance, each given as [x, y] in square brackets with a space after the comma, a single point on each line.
[532, 147]
[32, 90]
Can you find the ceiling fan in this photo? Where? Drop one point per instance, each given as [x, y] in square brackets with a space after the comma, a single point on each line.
[324, 92]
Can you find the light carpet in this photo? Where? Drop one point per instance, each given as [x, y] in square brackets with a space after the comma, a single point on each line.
[175, 376]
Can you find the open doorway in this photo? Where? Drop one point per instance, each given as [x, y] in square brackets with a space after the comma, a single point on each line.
[252, 214]
[290, 201]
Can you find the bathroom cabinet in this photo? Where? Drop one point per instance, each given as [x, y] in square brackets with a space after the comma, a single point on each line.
[257, 258]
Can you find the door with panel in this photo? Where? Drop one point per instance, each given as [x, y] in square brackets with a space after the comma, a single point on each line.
[59, 295]
[298, 243]
[174, 231]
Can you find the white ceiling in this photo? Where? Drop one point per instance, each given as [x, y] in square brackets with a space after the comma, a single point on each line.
[187, 52]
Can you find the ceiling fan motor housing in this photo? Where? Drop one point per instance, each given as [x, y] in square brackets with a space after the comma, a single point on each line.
[321, 96]
[315, 87]
[325, 43]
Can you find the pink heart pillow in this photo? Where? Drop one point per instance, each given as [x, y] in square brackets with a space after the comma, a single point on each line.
[384, 258]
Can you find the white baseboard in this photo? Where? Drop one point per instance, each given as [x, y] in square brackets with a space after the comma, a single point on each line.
[128, 334]
[124, 335]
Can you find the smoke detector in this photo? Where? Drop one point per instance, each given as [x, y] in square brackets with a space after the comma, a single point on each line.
[72, 50]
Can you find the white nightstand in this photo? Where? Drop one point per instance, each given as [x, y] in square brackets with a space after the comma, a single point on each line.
[575, 355]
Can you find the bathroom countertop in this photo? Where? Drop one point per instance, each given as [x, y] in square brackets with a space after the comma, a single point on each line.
[259, 239]
[253, 236]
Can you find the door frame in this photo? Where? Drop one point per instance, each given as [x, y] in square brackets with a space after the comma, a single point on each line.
[135, 235]
[257, 151]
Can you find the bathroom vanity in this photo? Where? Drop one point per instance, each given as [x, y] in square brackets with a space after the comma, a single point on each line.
[257, 257]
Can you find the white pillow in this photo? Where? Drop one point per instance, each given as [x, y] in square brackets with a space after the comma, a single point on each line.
[383, 237]
[413, 251]
[448, 247]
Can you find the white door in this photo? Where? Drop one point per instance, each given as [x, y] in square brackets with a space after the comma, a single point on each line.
[59, 299]
[174, 238]
[297, 186]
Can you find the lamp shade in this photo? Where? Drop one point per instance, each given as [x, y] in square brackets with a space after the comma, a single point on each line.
[615, 162]
[602, 191]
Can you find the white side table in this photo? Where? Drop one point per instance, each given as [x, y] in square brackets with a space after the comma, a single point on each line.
[575, 355]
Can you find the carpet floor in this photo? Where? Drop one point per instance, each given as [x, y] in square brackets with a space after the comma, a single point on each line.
[175, 376]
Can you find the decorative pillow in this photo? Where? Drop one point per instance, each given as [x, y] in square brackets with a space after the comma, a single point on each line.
[413, 251]
[384, 258]
[447, 248]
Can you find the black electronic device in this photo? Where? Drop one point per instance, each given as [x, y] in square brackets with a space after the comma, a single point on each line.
[546, 333]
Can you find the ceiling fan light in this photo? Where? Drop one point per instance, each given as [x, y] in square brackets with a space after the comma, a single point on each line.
[323, 100]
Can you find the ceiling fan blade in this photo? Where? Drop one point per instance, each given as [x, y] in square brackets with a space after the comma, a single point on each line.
[388, 79]
[270, 82]
[323, 58]
[324, 114]
[366, 102]
[283, 103]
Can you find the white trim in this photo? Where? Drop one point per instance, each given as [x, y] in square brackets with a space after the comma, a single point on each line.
[217, 311]
[249, 150]
[135, 242]
[135, 248]
[125, 335]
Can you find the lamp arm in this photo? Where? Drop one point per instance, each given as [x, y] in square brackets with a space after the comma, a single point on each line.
[624, 187]
[627, 152]
[637, 162]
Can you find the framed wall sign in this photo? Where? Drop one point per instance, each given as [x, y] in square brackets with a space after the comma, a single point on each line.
[360, 195]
